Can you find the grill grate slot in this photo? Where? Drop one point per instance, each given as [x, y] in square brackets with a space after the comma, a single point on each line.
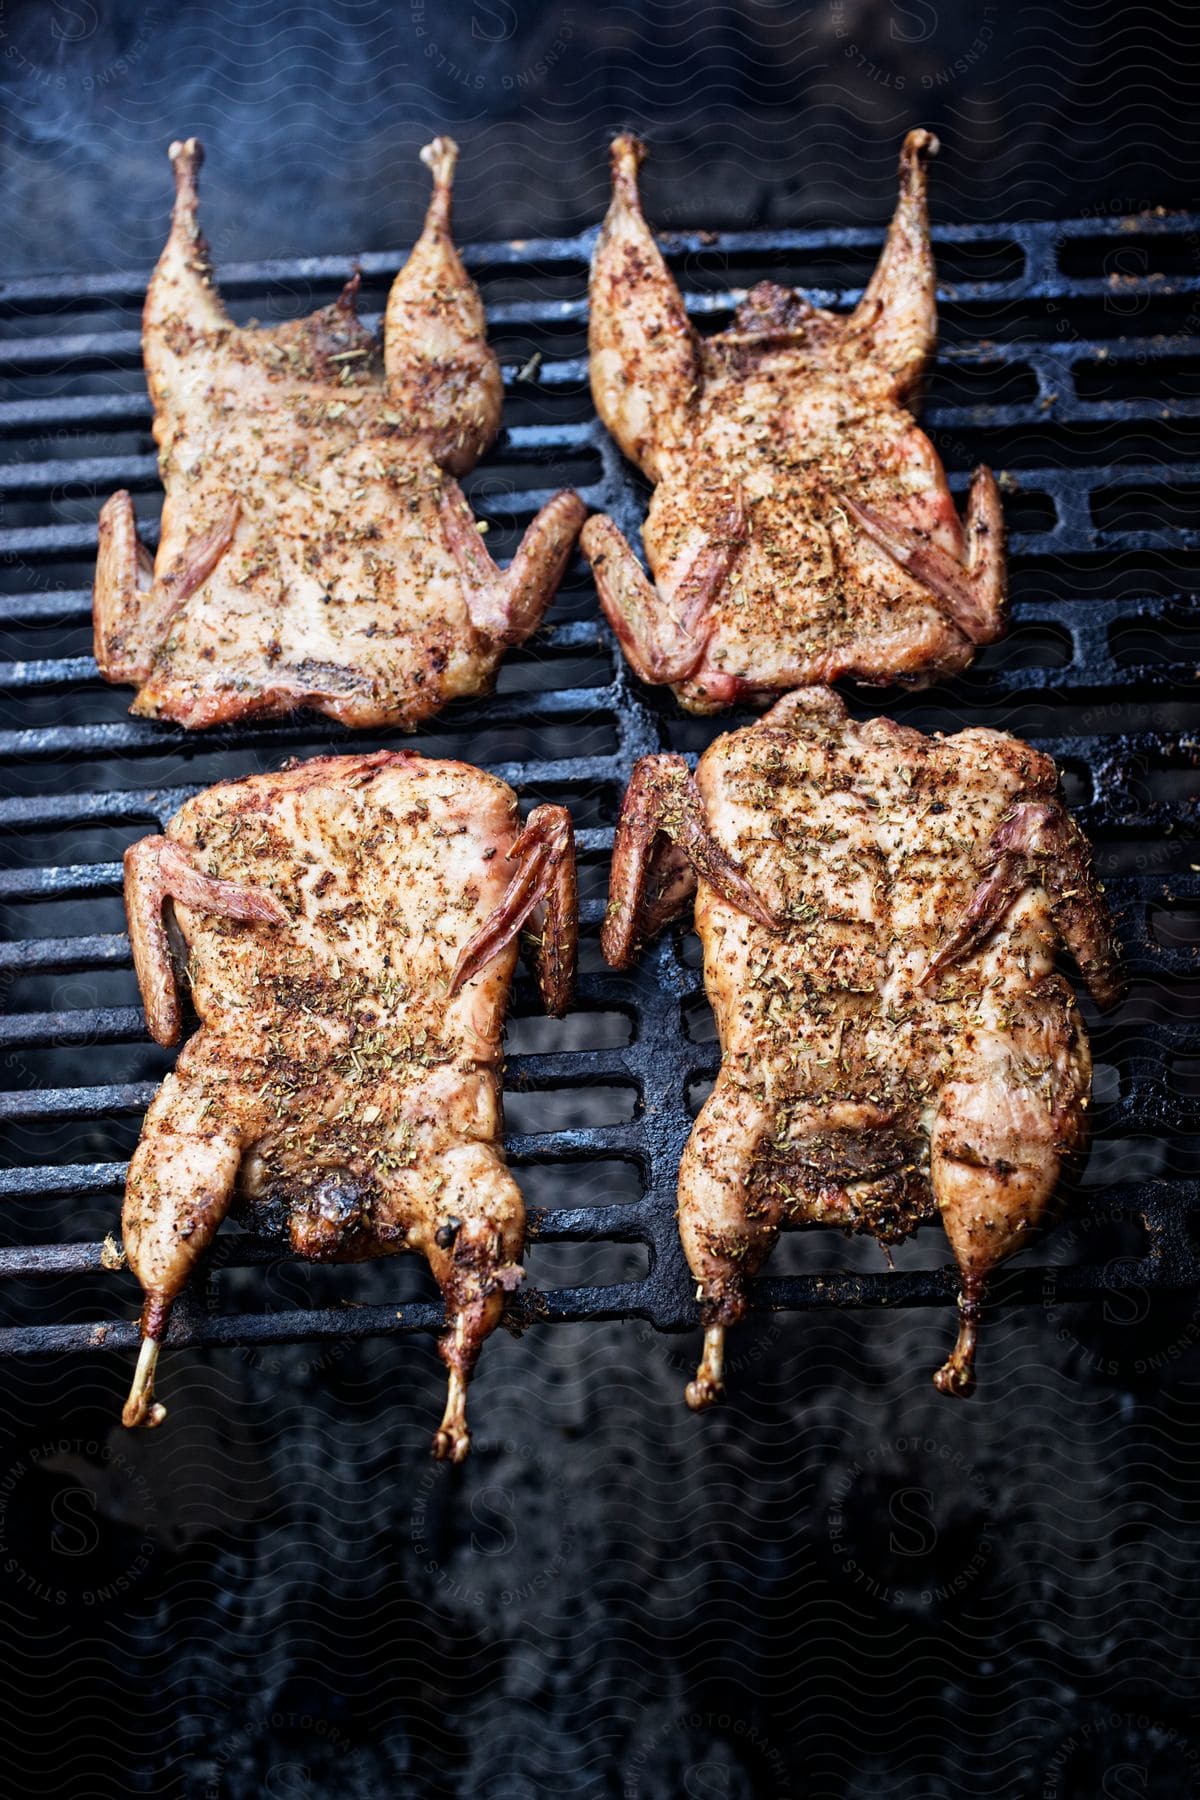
[1081, 384]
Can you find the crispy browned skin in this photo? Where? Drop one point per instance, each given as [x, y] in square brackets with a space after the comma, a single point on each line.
[895, 1041]
[316, 549]
[801, 527]
[350, 927]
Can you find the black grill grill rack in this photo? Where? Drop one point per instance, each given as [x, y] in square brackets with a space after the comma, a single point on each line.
[1070, 360]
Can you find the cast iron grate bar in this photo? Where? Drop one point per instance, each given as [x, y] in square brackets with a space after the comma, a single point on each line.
[1047, 361]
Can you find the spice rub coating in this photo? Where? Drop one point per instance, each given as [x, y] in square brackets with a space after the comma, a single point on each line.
[896, 1042]
[316, 549]
[348, 932]
[801, 527]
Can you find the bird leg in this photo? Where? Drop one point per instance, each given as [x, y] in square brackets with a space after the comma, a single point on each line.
[996, 1151]
[452, 1440]
[1038, 843]
[972, 594]
[663, 630]
[506, 605]
[646, 888]
[330, 346]
[727, 1224]
[183, 1171]
[544, 877]
[141, 1408]
[156, 868]
[897, 316]
[441, 375]
[182, 285]
[956, 1376]
[998, 1143]
[708, 1384]
[645, 362]
[1002, 1132]
[474, 1254]
[181, 1181]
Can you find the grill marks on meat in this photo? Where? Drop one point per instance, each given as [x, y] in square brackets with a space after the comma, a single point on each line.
[896, 1044]
[311, 551]
[350, 928]
[801, 528]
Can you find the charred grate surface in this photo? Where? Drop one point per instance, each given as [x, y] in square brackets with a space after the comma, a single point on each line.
[1078, 380]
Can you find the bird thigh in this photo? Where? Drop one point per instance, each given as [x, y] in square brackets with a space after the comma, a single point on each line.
[995, 1155]
[728, 1227]
[181, 1181]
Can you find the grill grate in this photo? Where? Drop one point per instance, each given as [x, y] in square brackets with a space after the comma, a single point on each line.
[1077, 376]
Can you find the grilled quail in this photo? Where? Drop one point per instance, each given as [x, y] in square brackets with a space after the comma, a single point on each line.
[880, 913]
[350, 929]
[801, 527]
[316, 550]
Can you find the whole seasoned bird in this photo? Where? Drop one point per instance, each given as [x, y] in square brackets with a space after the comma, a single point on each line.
[348, 928]
[880, 913]
[316, 550]
[801, 528]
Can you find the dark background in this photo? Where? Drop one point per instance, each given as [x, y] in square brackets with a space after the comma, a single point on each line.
[767, 113]
[836, 1586]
